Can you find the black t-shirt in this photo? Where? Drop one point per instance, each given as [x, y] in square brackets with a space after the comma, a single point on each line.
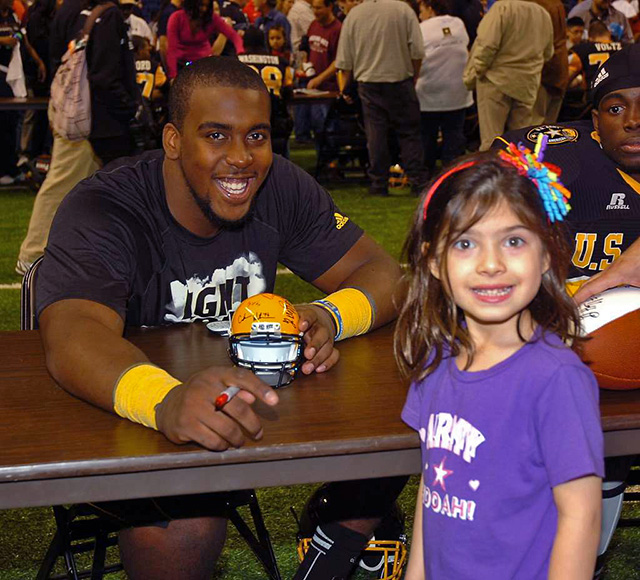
[115, 242]
[605, 202]
[592, 55]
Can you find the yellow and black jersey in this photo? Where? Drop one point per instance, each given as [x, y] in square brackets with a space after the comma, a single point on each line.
[605, 201]
[592, 55]
[278, 77]
[149, 76]
[274, 70]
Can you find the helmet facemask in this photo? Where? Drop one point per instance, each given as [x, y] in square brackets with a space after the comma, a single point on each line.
[265, 338]
[272, 356]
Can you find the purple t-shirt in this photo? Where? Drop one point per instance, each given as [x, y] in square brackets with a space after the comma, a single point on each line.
[494, 444]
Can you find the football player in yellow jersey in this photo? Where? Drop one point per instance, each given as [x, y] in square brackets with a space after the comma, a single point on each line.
[600, 163]
[585, 58]
[277, 75]
[150, 76]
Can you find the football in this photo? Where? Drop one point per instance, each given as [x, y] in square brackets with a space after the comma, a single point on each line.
[611, 320]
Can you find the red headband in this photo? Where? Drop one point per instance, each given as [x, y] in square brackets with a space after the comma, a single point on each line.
[439, 181]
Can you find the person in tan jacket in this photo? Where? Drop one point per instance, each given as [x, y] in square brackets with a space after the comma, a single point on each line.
[555, 72]
[515, 39]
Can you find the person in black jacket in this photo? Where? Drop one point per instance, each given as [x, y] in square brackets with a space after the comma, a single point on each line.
[35, 138]
[114, 102]
[112, 79]
[111, 71]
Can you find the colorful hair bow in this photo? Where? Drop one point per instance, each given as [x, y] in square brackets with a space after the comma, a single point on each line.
[545, 176]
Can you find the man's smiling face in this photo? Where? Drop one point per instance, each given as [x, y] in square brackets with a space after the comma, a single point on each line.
[223, 152]
[617, 121]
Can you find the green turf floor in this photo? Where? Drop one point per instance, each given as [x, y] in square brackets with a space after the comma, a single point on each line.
[24, 534]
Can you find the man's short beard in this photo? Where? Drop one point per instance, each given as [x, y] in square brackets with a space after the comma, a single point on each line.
[213, 218]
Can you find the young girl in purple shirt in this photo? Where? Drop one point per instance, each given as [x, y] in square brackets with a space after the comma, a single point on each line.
[512, 449]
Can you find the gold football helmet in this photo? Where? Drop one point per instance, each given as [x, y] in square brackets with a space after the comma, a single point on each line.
[265, 338]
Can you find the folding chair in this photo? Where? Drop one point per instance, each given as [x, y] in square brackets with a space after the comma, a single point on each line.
[82, 528]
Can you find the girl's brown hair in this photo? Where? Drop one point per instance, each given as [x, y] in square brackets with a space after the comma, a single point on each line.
[430, 323]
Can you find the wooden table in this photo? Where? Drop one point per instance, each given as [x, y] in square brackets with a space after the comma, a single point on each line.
[344, 424]
[321, 97]
[56, 449]
[23, 104]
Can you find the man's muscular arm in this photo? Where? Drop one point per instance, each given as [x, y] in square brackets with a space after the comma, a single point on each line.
[86, 354]
[625, 270]
[367, 267]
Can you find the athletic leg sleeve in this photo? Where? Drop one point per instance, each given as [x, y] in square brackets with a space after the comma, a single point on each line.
[612, 494]
[332, 553]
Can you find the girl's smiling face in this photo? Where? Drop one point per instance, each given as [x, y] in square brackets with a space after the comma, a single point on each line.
[494, 270]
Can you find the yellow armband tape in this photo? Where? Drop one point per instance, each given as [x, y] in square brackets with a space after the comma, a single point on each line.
[139, 389]
[351, 310]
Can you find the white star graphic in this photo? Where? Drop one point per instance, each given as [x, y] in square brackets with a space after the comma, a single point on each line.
[551, 133]
[441, 473]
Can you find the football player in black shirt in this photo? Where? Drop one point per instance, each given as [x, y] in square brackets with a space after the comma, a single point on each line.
[587, 57]
[184, 234]
[600, 163]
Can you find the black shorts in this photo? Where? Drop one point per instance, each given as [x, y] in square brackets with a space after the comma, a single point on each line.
[159, 511]
[365, 498]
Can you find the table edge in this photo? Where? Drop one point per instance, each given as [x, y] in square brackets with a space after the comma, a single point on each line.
[204, 458]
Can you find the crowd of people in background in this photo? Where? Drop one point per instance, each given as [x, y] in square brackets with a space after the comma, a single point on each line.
[473, 69]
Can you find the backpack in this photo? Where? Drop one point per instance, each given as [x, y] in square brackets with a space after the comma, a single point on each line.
[70, 102]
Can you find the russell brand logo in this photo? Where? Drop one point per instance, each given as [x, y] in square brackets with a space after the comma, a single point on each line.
[617, 201]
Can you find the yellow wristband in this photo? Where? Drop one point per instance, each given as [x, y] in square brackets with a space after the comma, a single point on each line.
[351, 310]
[139, 389]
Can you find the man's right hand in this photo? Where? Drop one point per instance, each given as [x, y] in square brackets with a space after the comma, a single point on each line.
[188, 413]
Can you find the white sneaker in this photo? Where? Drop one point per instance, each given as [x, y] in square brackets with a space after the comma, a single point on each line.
[7, 180]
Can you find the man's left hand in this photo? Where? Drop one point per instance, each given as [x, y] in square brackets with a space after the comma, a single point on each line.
[319, 332]
[625, 270]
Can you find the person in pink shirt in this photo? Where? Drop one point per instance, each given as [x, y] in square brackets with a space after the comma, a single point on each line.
[190, 32]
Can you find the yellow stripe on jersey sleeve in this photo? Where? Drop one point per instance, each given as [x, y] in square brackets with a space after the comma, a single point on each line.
[574, 284]
[631, 182]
